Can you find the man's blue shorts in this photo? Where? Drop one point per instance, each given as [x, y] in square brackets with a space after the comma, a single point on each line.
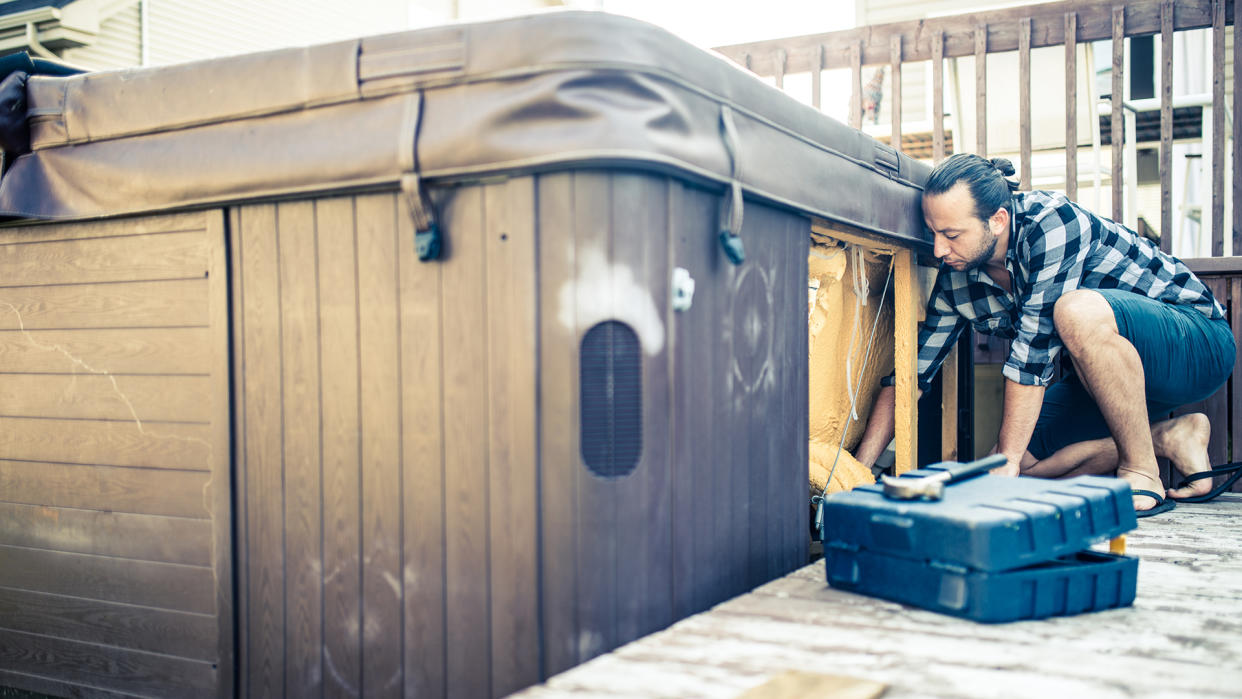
[1186, 357]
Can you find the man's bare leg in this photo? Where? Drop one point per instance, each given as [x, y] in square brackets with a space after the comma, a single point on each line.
[1096, 457]
[1182, 440]
[1112, 371]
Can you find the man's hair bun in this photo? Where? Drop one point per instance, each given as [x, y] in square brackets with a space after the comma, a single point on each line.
[1004, 166]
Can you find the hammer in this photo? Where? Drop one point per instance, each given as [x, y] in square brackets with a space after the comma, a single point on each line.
[932, 487]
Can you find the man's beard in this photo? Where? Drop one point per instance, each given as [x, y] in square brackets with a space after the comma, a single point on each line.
[984, 255]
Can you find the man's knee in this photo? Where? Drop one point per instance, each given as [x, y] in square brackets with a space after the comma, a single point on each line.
[1080, 313]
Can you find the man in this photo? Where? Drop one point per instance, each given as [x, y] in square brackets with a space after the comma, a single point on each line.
[1144, 335]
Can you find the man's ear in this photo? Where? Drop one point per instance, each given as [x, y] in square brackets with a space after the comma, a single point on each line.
[999, 222]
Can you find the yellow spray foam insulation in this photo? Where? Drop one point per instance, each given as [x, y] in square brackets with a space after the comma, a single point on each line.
[833, 338]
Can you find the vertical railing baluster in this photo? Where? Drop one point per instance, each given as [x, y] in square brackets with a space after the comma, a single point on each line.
[781, 57]
[817, 71]
[1024, 102]
[1237, 137]
[1166, 125]
[895, 59]
[1071, 105]
[856, 107]
[1218, 128]
[981, 90]
[938, 98]
[1117, 126]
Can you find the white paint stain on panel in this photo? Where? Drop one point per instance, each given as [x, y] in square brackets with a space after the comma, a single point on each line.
[604, 291]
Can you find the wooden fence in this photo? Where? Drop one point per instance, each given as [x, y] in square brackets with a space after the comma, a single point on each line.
[1023, 29]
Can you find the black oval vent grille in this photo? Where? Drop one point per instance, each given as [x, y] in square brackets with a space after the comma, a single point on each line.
[611, 385]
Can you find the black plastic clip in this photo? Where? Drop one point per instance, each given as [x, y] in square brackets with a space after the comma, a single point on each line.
[733, 247]
[427, 243]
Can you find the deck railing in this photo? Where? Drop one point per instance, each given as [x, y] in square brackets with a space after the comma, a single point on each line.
[1023, 29]
[1067, 24]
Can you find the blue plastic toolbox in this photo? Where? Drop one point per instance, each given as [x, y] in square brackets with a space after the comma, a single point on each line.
[993, 549]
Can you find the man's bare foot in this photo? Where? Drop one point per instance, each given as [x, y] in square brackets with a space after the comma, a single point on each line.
[1183, 440]
[1142, 479]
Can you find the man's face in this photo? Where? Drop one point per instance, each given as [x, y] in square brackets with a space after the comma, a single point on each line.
[961, 240]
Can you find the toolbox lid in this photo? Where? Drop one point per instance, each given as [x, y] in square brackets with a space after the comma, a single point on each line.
[454, 103]
[986, 523]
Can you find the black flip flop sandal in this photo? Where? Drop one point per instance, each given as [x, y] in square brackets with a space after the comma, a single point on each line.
[1162, 504]
[1234, 468]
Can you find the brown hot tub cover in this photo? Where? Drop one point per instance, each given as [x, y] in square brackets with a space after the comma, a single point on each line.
[448, 104]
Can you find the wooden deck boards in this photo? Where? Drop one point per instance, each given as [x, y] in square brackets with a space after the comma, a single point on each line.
[1183, 636]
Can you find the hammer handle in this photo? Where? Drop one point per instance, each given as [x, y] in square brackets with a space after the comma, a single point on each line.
[958, 471]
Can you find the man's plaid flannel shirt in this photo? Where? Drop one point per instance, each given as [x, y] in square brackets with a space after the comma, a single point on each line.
[1055, 246]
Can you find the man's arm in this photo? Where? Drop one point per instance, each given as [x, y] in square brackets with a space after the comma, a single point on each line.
[1021, 411]
[1053, 256]
[880, 427]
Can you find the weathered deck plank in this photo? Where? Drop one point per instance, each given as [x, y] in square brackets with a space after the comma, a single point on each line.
[1179, 638]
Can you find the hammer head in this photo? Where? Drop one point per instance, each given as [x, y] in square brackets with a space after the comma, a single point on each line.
[913, 488]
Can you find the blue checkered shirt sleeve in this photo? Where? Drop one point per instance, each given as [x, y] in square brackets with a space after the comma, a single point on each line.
[1051, 257]
[938, 332]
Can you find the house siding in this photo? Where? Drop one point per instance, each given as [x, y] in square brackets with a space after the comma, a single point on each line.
[119, 44]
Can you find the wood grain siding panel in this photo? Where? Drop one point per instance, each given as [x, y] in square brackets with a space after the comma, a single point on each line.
[152, 351]
[299, 386]
[422, 470]
[175, 303]
[131, 672]
[155, 224]
[43, 685]
[106, 443]
[159, 585]
[217, 494]
[380, 381]
[182, 634]
[639, 242]
[597, 497]
[150, 399]
[113, 489]
[137, 537]
[260, 396]
[466, 467]
[512, 368]
[560, 465]
[117, 259]
[114, 466]
[692, 214]
[340, 444]
[789, 447]
[725, 472]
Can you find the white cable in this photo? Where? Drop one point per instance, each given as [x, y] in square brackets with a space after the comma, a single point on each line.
[862, 289]
[866, 357]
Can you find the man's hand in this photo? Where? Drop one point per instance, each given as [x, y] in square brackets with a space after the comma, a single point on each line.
[1022, 404]
[1012, 467]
